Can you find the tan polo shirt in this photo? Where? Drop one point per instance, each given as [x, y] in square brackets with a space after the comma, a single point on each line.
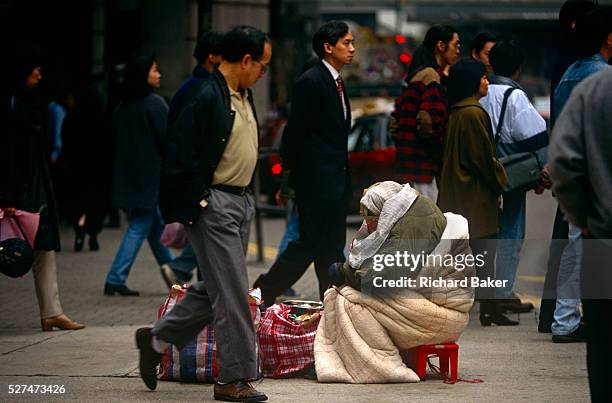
[240, 156]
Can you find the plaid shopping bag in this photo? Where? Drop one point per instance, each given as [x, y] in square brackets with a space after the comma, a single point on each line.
[285, 347]
[197, 361]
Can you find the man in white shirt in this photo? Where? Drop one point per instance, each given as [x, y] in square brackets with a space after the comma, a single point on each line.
[522, 130]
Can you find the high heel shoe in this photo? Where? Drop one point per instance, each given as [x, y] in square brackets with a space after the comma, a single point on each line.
[110, 289]
[61, 322]
[490, 314]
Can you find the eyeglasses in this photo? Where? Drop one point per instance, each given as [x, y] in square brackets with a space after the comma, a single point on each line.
[262, 67]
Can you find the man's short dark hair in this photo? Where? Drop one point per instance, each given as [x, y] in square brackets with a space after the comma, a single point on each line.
[243, 40]
[330, 32]
[593, 30]
[506, 57]
[481, 39]
[209, 43]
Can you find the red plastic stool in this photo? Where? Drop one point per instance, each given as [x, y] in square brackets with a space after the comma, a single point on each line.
[417, 358]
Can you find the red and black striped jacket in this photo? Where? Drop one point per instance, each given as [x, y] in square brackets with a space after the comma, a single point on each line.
[420, 116]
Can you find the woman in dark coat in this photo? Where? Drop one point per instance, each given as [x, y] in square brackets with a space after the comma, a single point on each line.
[139, 130]
[84, 157]
[472, 178]
[26, 181]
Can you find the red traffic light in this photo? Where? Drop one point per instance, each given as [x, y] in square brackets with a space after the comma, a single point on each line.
[277, 169]
[405, 58]
[400, 39]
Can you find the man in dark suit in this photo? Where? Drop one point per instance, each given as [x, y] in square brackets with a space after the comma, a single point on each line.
[315, 153]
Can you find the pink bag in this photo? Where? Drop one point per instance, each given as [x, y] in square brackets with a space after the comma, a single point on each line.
[285, 347]
[29, 223]
[174, 236]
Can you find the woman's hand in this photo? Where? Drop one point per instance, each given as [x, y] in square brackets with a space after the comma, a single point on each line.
[9, 211]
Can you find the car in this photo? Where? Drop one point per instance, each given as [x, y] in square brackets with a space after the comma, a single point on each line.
[371, 155]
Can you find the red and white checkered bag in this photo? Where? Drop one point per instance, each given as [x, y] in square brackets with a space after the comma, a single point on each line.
[284, 346]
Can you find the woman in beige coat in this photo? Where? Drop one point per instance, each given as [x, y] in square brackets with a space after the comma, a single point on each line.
[472, 178]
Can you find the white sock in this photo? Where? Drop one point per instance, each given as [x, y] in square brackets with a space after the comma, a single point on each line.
[158, 345]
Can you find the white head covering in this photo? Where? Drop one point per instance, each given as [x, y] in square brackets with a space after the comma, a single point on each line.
[390, 201]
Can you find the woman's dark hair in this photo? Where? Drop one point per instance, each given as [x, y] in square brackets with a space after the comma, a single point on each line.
[572, 11]
[330, 32]
[424, 55]
[135, 83]
[25, 58]
[480, 40]
[506, 57]
[464, 79]
[209, 43]
[243, 40]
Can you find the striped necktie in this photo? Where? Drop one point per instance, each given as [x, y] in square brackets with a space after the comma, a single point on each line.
[340, 87]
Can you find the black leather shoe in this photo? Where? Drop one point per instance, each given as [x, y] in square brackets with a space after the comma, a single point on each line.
[110, 289]
[577, 336]
[148, 359]
[486, 319]
[514, 305]
[238, 391]
[490, 314]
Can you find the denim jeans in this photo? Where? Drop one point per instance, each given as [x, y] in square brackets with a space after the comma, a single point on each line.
[184, 264]
[510, 240]
[292, 232]
[567, 311]
[142, 223]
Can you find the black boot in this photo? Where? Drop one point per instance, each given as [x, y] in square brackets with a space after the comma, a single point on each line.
[490, 313]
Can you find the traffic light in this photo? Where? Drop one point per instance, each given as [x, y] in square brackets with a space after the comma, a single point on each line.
[405, 58]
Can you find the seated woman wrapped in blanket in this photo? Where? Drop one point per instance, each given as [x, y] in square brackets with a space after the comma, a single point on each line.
[406, 283]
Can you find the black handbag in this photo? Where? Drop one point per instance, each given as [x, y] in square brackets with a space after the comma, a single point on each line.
[522, 169]
[16, 255]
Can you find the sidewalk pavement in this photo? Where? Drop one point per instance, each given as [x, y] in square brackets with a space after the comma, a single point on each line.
[99, 363]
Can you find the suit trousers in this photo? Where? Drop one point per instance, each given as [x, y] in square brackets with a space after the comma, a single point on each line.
[322, 239]
[220, 239]
[44, 270]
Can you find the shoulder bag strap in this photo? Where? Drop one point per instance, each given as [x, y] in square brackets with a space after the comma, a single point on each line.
[502, 114]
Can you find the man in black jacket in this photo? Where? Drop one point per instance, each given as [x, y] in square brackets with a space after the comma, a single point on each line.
[210, 161]
[315, 152]
[208, 54]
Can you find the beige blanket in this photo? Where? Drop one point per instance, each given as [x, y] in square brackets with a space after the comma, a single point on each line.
[360, 337]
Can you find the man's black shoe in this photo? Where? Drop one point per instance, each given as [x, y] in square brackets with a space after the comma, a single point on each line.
[238, 391]
[110, 289]
[577, 336]
[148, 359]
[514, 305]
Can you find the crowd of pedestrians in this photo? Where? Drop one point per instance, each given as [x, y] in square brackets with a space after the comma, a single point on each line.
[455, 124]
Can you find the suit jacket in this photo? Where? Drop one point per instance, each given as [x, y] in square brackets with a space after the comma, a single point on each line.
[314, 145]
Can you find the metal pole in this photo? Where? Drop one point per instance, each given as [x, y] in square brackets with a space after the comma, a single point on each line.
[258, 227]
